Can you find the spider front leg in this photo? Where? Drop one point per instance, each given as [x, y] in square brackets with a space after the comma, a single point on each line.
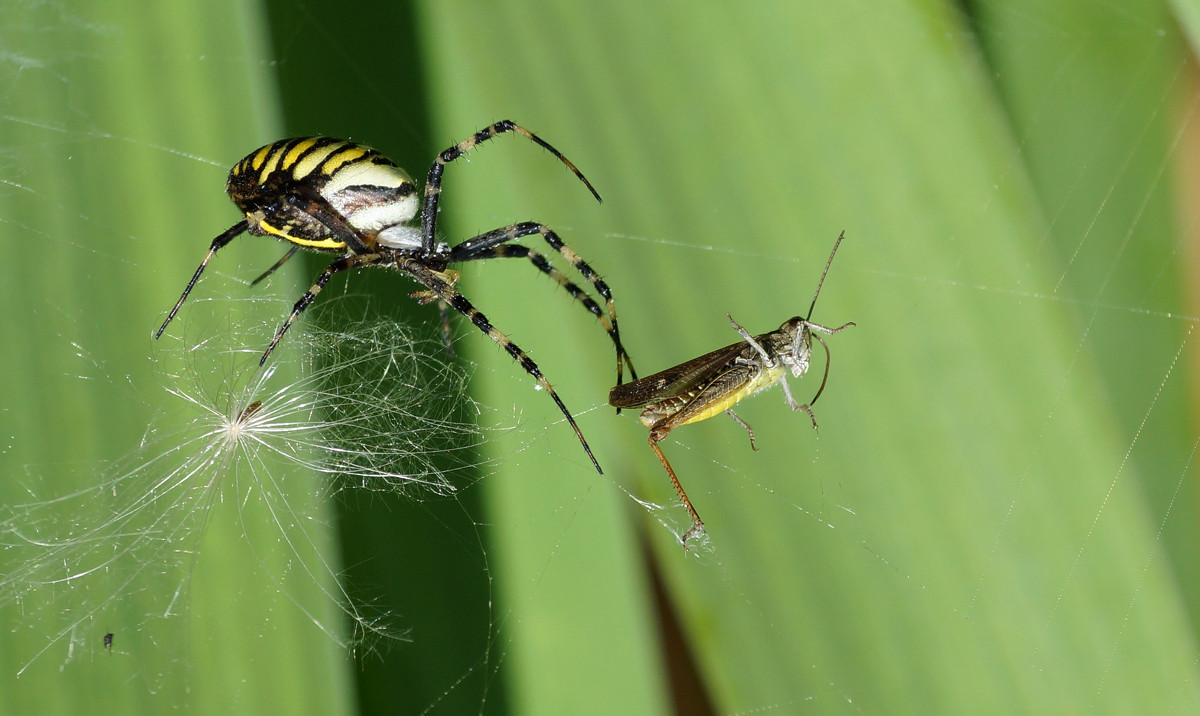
[442, 286]
[496, 244]
[342, 264]
[433, 183]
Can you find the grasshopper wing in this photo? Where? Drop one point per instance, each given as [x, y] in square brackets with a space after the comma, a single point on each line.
[676, 380]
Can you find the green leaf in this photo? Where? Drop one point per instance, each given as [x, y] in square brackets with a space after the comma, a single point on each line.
[995, 515]
[991, 516]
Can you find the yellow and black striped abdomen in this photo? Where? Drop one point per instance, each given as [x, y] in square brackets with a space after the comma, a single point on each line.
[321, 193]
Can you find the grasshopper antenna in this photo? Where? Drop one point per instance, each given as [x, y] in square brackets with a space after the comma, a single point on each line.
[825, 273]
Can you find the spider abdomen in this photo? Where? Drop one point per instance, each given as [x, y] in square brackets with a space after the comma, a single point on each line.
[282, 189]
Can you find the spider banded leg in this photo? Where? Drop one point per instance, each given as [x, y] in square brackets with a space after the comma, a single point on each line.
[516, 251]
[229, 235]
[433, 183]
[443, 287]
[342, 264]
[495, 244]
[512, 251]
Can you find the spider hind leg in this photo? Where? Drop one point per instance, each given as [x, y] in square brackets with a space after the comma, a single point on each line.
[442, 286]
[497, 244]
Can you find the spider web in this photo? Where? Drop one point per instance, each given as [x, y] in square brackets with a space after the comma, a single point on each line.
[1002, 488]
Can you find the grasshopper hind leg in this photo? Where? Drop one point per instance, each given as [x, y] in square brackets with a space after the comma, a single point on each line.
[697, 523]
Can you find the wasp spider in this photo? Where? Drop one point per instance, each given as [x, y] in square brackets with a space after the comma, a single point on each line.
[341, 198]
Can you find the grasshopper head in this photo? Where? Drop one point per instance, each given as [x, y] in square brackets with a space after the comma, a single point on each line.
[798, 346]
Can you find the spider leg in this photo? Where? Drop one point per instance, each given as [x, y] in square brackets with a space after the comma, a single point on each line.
[307, 200]
[424, 297]
[228, 235]
[342, 264]
[517, 251]
[433, 183]
[510, 251]
[440, 285]
[282, 260]
[495, 244]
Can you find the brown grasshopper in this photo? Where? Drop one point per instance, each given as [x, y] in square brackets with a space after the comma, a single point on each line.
[713, 383]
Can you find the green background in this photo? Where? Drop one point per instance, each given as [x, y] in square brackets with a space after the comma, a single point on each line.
[999, 511]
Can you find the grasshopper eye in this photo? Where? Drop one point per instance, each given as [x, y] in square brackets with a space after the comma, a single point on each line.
[802, 347]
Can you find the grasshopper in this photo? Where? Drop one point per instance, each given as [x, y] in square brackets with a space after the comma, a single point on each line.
[713, 383]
